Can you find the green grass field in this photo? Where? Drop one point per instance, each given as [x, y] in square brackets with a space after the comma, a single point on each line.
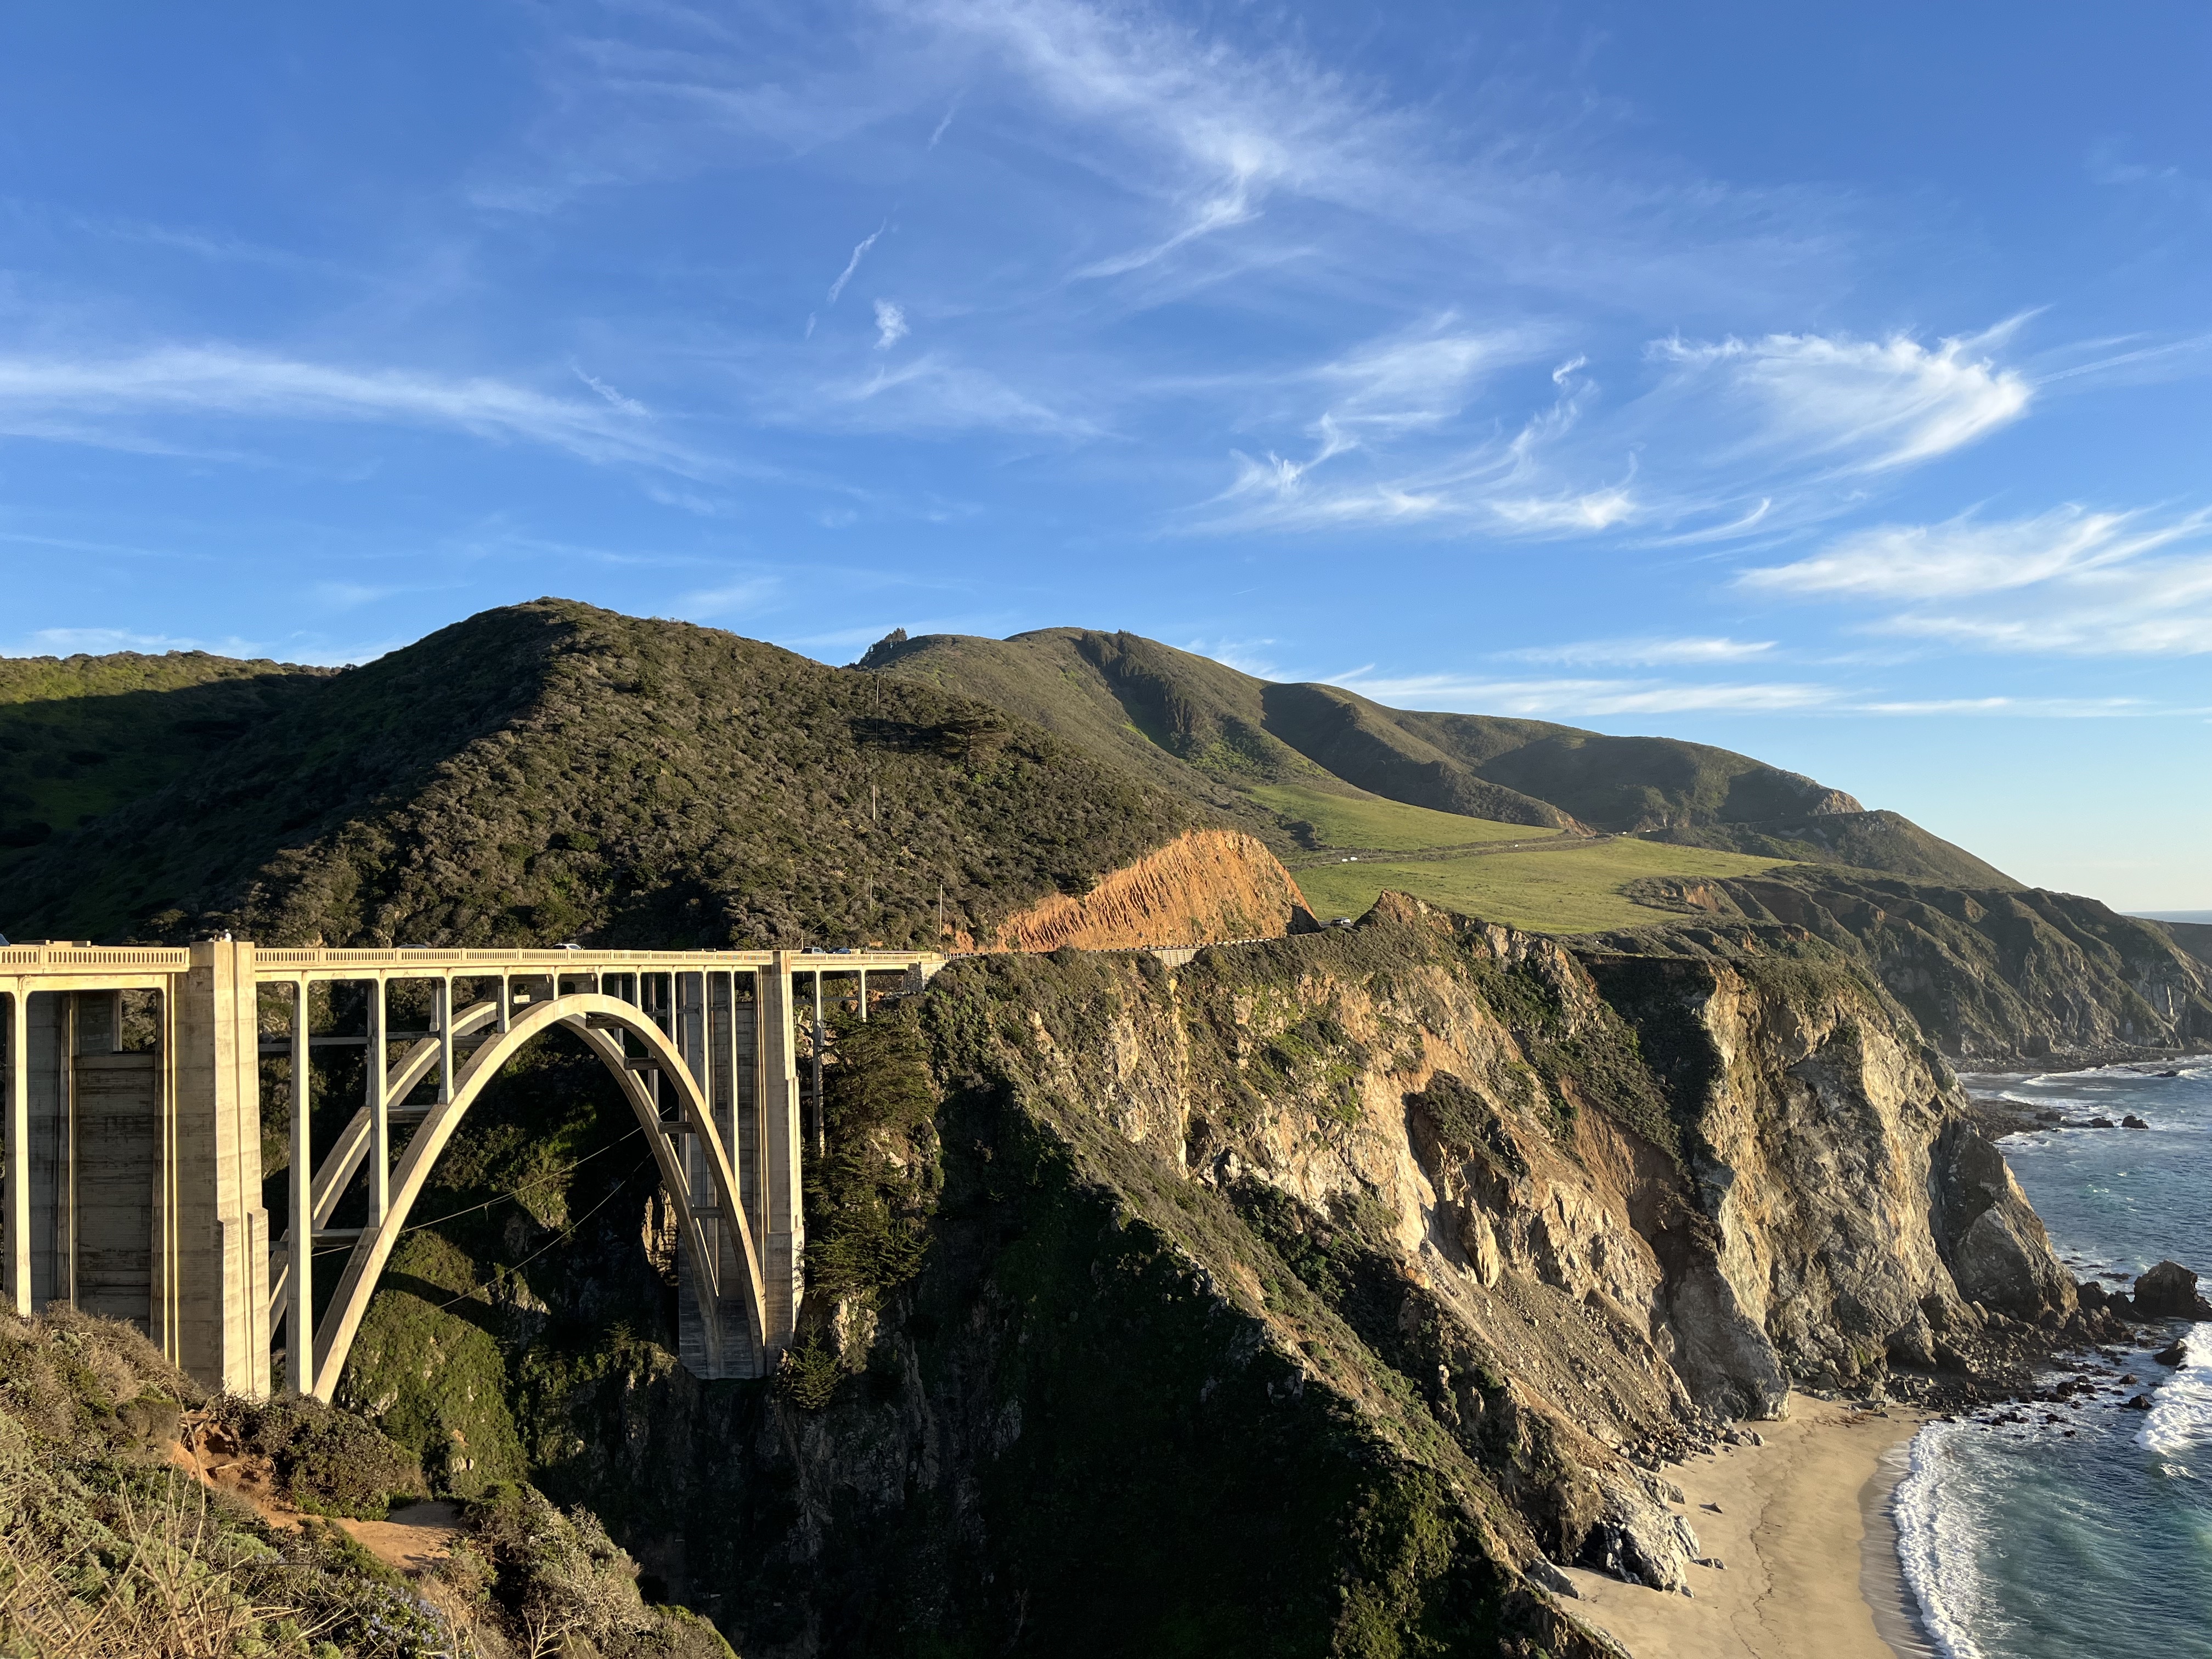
[1347, 821]
[1573, 891]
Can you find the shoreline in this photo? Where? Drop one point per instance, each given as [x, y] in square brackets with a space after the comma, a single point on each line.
[1810, 1560]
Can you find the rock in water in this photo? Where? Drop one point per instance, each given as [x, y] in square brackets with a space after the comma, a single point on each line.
[2175, 1353]
[2131, 1122]
[2169, 1291]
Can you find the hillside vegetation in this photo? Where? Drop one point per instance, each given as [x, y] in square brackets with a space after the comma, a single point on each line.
[551, 770]
[1581, 888]
[1234, 743]
[80, 736]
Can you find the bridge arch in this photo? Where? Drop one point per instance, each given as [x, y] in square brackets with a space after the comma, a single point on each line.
[601, 1021]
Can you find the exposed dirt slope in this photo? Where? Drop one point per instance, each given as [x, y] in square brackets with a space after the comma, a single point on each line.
[1207, 885]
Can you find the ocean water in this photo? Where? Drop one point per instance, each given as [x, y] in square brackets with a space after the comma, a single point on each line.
[2087, 1529]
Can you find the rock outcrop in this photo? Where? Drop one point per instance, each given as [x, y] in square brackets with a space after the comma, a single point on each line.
[1423, 1231]
[1204, 886]
[2169, 1291]
[1990, 976]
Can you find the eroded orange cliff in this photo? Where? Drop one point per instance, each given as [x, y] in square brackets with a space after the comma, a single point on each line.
[1205, 886]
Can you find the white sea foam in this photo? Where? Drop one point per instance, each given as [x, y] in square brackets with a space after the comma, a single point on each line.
[2179, 1422]
[1933, 1549]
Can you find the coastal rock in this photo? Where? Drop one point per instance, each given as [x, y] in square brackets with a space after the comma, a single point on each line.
[2131, 1122]
[2169, 1291]
[1913, 1343]
[2174, 1354]
[1545, 1573]
[1999, 1252]
[1637, 1540]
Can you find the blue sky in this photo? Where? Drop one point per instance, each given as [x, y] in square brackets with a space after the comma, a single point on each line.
[1831, 382]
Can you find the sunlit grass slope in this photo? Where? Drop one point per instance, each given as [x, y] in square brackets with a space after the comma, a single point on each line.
[1571, 890]
[1351, 820]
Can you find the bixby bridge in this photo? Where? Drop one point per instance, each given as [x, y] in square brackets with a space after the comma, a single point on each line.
[133, 1126]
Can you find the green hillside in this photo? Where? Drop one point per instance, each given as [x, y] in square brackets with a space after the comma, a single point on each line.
[1318, 817]
[1228, 739]
[79, 736]
[1576, 888]
[551, 771]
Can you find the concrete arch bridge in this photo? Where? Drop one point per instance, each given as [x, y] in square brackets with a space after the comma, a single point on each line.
[133, 1126]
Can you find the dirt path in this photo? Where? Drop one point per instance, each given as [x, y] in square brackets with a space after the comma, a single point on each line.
[412, 1538]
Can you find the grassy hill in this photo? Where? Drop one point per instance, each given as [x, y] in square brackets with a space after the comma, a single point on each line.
[1576, 888]
[551, 770]
[1236, 743]
[80, 736]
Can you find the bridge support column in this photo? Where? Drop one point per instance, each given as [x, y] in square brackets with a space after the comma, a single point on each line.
[221, 1230]
[783, 1239]
[19, 1152]
[300, 1325]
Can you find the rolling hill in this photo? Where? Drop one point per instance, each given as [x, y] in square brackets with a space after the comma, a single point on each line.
[548, 770]
[1318, 771]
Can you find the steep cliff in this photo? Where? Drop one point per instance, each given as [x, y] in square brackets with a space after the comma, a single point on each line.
[1205, 885]
[1992, 975]
[1410, 1247]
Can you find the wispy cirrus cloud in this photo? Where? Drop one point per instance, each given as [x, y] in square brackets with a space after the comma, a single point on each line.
[1645, 651]
[936, 393]
[1967, 557]
[1598, 699]
[1862, 405]
[92, 399]
[1589, 698]
[2069, 582]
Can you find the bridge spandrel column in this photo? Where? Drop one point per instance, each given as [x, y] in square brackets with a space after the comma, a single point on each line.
[783, 1238]
[18, 1087]
[223, 1231]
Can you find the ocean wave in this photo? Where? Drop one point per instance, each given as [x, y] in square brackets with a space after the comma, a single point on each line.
[2180, 1417]
[1931, 1551]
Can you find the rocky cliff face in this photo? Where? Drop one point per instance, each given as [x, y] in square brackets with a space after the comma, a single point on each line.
[1992, 975]
[1206, 885]
[1411, 1248]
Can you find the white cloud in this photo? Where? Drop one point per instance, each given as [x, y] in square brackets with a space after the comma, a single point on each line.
[1587, 696]
[2068, 582]
[860, 253]
[1867, 406]
[731, 598]
[1243, 655]
[615, 399]
[1592, 510]
[1645, 653]
[891, 324]
[1964, 555]
[933, 393]
[81, 399]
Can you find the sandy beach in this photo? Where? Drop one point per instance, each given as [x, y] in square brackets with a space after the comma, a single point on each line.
[1796, 1518]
